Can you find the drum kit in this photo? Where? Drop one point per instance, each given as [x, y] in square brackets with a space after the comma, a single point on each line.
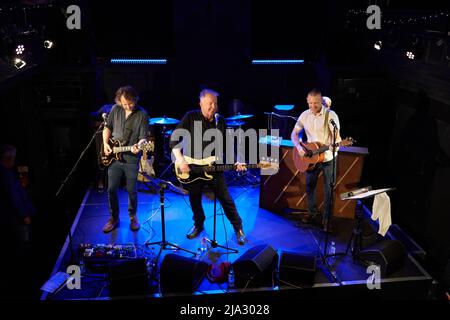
[237, 121]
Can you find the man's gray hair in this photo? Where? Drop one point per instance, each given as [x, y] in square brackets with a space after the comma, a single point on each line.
[204, 92]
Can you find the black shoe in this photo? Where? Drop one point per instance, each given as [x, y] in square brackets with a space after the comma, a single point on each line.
[240, 237]
[194, 232]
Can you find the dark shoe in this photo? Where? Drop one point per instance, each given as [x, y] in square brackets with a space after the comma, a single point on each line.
[194, 232]
[134, 223]
[240, 237]
[110, 225]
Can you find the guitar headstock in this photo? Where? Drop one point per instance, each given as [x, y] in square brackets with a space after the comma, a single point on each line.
[347, 142]
[147, 146]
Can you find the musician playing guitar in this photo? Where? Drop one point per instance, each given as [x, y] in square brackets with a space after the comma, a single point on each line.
[317, 124]
[205, 119]
[127, 123]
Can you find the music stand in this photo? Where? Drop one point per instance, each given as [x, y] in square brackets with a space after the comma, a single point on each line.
[163, 243]
[355, 242]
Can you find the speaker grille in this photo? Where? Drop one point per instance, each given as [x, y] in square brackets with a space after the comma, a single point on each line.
[256, 266]
[181, 274]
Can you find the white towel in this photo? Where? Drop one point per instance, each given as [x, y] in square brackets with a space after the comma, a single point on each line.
[381, 210]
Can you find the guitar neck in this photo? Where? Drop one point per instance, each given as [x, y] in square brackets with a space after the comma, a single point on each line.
[221, 168]
[122, 149]
[325, 148]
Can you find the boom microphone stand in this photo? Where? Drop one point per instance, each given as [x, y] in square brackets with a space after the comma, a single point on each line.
[64, 182]
[163, 243]
[330, 208]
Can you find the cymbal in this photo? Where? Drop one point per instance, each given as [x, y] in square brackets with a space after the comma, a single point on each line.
[168, 132]
[163, 120]
[235, 123]
[240, 117]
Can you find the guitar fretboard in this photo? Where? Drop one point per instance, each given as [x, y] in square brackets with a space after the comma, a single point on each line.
[220, 168]
[325, 148]
[122, 149]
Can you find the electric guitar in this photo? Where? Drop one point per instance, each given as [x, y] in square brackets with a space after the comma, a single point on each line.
[315, 153]
[201, 169]
[118, 149]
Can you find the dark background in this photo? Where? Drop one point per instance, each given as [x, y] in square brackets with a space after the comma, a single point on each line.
[398, 108]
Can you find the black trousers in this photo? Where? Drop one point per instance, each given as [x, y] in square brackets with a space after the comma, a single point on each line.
[220, 188]
[115, 172]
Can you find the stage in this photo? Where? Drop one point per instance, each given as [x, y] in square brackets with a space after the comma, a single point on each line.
[282, 231]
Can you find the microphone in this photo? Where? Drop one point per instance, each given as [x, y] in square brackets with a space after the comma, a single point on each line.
[333, 123]
[216, 116]
[105, 117]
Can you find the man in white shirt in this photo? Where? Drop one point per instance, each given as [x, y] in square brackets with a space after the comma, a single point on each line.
[317, 124]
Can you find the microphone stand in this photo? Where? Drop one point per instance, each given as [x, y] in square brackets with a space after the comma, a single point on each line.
[330, 205]
[213, 242]
[64, 182]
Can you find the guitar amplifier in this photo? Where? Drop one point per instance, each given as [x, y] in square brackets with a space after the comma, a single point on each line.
[287, 188]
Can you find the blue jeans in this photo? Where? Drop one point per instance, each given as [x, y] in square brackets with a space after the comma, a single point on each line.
[115, 172]
[311, 184]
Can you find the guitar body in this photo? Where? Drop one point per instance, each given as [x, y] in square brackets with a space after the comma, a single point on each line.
[304, 164]
[118, 148]
[196, 173]
[202, 169]
[107, 160]
[317, 151]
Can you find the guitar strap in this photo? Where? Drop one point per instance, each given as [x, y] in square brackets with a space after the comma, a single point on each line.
[326, 127]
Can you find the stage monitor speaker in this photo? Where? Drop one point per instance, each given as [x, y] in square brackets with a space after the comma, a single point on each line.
[256, 267]
[180, 274]
[297, 270]
[128, 277]
[390, 255]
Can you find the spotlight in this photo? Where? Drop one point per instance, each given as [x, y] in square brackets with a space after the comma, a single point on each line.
[19, 63]
[20, 49]
[378, 45]
[410, 55]
[48, 44]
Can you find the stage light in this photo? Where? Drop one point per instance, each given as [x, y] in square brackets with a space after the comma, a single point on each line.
[19, 63]
[378, 45]
[410, 55]
[271, 61]
[48, 44]
[20, 49]
[138, 61]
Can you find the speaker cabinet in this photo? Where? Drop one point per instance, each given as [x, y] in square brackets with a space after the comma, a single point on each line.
[180, 274]
[297, 270]
[128, 277]
[256, 267]
[390, 255]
